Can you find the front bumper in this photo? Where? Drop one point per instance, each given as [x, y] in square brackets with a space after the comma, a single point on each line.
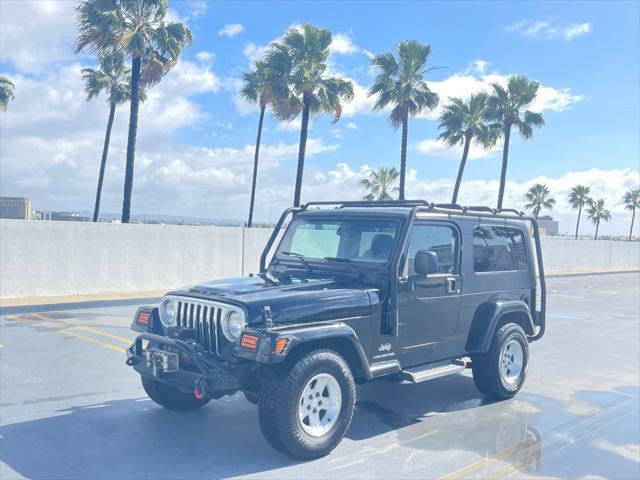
[197, 369]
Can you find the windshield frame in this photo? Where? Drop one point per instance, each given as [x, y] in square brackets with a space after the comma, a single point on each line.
[329, 265]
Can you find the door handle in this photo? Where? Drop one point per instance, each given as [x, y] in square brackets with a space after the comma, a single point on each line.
[452, 285]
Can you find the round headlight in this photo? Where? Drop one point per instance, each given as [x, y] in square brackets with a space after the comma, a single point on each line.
[233, 325]
[168, 312]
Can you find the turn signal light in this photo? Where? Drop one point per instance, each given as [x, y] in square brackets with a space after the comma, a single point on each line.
[143, 318]
[281, 344]
[250, 342]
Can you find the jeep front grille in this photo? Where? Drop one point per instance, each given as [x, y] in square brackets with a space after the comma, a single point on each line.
[204, 320]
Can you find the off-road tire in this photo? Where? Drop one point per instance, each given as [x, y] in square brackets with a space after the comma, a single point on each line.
[486, 366]
[170, 397]
[280, 390]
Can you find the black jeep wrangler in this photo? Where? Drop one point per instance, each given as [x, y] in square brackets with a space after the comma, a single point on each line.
[405, 290]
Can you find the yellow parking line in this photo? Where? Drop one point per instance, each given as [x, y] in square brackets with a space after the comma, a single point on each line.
[77, 336]
[91, 340]
[96, 331]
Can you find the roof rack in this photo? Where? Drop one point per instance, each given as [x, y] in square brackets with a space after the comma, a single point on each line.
[367, 203]
[457, 209]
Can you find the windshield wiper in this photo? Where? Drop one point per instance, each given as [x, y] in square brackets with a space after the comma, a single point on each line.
[301, 257]
[346, 261]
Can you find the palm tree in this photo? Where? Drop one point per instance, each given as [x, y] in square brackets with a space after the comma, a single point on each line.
[297, 65]
[381, 184]
[538, 197]
[6, 92]
[113, 79]
[138, 29]
[578, 198]
[508, 108]
[463, 122]
[598, 213]
[400, 84]
[256, 88]
[632, 201]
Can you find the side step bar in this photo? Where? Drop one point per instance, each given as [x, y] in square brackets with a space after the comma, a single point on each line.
[423, 373]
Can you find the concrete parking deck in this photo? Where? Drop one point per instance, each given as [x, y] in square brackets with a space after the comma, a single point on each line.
[70, 408]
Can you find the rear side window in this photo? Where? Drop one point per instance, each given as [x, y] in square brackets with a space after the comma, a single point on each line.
[498, 249]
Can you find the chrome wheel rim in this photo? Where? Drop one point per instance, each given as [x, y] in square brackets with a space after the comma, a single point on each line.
[511, 362]
[319, 404]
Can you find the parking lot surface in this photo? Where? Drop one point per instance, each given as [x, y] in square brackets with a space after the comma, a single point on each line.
[70, 408]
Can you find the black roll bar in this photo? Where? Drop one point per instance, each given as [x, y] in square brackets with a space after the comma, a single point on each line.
[477, 211]
[274, 235]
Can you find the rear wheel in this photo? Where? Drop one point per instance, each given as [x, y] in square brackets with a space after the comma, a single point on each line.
[306, 409]
[170, 397]
[500, 373]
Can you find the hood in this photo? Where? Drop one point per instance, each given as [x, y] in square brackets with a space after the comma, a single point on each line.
[310, 300]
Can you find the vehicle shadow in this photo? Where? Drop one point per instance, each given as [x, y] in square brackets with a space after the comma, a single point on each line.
[134, 438]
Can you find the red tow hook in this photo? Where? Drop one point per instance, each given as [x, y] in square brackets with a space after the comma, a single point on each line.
[200, 391]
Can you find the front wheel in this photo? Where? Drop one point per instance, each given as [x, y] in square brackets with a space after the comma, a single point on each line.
[305, 410]
[500, 373]
[170, 397]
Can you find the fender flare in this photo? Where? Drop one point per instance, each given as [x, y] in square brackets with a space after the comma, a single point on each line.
[488, 317]
[337, 333]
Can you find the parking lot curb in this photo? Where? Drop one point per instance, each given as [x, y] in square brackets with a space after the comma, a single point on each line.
[117, 302]
[49, 307]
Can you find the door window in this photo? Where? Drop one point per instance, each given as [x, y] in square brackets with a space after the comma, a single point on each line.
[440, 239]
[498, 249]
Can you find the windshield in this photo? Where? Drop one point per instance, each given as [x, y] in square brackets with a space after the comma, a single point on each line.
[354, 240]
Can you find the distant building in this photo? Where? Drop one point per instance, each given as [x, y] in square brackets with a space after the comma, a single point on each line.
[18, 208]
[60, 216]
[548, 226]
[68, 217]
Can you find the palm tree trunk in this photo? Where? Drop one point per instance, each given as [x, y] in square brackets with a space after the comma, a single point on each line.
[463, 162]
[403, 154]
[303, 145]
[578, 221]
[131, 141]
[505, 159]
[103, 162]
[597, 227]
[255, 166]
[633, 217]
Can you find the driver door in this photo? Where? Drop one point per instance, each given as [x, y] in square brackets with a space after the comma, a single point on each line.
[428, 305]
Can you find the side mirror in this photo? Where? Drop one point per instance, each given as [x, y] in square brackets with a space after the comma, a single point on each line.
[426, 262]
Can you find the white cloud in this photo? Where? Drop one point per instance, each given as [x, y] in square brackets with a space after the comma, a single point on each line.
[292, 125]
[439, 149]
[473, 80]
[465, 84]
[549, 30]
[24, 25]
[197, 8]
[576, 30]
[231, 30]
[342, 44]
[205, 57]
[254, 52]
[352, 126]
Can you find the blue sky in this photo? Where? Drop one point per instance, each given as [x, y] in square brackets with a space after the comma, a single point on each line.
[194, 154]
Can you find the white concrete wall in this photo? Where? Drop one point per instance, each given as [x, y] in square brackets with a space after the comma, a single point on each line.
[65, 258]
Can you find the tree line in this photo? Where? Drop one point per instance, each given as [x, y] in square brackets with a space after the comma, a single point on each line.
[538, 197]
[290, 80]
[137, 46]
